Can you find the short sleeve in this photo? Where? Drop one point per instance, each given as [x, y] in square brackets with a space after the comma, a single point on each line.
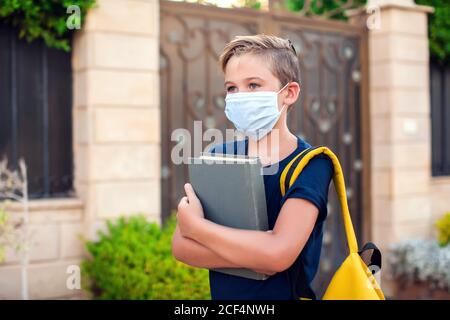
[313, 183]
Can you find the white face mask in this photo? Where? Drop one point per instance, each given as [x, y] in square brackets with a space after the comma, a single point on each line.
[253, 113]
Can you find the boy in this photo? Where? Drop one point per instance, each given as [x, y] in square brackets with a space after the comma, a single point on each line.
[262, 82]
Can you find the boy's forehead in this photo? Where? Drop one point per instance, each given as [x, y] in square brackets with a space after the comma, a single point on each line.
[247, 66]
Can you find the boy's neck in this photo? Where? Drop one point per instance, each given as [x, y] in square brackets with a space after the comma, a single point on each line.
[273, 147]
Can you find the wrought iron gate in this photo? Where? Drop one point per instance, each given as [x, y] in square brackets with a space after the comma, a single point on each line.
[332, 110]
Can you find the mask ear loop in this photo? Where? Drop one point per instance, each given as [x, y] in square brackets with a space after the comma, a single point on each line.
[284, 105]
[283, 87]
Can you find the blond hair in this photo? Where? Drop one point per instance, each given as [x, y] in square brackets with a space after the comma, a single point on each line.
[278, 52]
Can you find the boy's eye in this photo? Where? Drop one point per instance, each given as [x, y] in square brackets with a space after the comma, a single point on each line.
[231, 88]
[253, 85]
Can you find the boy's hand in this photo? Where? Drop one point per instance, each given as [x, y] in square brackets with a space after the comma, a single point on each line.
[190, 212]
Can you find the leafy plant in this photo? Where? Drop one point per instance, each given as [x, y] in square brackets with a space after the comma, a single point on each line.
[43, 19]
[438, 22]
[439, 29]
[14, 186]
[4, 232]
[334, 9]
[443, 226]
[418, 260]
[427, 261]
[133, 260]
[253, 4]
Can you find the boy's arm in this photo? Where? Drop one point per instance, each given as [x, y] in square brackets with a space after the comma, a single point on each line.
[274, 251]
[195, 254]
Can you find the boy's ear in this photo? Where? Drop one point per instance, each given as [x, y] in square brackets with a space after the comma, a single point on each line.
[294, 93]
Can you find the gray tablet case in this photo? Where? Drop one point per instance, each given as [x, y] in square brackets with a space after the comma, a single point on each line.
[231, 190]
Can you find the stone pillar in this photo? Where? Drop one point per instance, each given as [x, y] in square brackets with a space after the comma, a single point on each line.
[400, 121]
[116, 111]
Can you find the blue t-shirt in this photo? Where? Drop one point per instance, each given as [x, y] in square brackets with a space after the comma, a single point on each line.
[312, 184]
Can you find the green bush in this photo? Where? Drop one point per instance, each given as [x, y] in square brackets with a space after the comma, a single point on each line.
[3, 223]
[320, 7]
[439, 29]
[443, 226]
[133, 260]
[420, 261]
[438, 22]
[42, 19]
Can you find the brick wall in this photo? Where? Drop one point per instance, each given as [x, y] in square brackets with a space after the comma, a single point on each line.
[55, 229]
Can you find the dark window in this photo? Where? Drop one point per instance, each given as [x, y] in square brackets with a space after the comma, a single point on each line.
[35, 113]
[440, 118]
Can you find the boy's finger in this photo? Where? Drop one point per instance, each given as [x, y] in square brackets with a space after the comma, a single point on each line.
[183, 201]
[190, 192]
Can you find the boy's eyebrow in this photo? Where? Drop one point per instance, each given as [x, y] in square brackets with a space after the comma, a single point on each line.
[249, 78]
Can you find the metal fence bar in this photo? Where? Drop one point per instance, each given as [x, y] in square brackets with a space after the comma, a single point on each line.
[37, 111]
[440, 118]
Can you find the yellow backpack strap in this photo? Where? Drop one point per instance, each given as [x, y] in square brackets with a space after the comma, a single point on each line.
[296, 165]
[285, 177]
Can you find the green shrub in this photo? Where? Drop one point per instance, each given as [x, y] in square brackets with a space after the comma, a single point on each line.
[320, 7]
[438, 22]
[439, 29]
[420, 261]
[133, 260]
[42, 19]
[3, 223]
[443, 226]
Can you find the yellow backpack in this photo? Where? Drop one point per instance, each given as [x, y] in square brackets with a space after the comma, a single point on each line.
[353, 280]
